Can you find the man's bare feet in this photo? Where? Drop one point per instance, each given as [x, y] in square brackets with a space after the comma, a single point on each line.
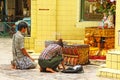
[13, 66]
[50, 70]
[41, 69]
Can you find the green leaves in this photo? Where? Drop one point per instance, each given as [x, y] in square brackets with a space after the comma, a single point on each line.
[107, 7]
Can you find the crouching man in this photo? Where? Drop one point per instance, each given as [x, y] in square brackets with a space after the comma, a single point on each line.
[51, 57]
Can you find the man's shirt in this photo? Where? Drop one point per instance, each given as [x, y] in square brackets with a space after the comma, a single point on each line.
[51, 51]
[17, 44]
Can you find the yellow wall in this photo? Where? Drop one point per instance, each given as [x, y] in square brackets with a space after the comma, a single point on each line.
[66, 20]
[43, 23]
[68, 25]
[117, 27]
[54, 19]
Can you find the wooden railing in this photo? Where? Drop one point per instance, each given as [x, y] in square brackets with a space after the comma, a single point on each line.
[7, 29]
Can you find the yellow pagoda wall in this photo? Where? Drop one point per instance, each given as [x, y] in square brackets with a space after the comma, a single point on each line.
[43, 21]
[54, 19]
[117, 27]
[68, 17]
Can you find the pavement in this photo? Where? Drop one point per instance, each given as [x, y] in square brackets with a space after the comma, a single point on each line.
[7, 73]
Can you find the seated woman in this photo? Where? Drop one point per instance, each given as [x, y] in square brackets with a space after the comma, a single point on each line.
[51, 57]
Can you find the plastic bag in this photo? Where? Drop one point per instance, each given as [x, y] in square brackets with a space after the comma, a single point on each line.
[74, 69]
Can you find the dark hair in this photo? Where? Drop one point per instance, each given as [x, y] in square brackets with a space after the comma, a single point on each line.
[60, 42]
[22, 25]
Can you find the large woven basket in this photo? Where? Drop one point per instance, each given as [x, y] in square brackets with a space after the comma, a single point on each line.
[76, 54]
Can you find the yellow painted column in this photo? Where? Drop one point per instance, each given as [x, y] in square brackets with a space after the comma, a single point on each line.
[117, 27]
[44, 22]
[33, 18]
[29, 41]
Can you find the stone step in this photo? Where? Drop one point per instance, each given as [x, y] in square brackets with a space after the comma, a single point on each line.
[97, 61]
[109, 73]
